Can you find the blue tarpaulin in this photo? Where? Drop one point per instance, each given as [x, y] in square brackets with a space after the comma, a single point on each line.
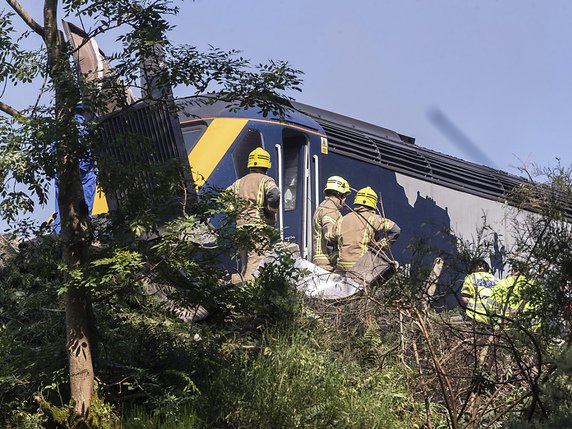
[87, 173]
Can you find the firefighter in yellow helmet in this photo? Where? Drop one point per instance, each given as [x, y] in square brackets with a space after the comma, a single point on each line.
[261, 198]
[324, 223]
[362, 230]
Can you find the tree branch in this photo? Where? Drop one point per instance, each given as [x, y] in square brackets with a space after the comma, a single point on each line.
[444, 381]
[26, 17]
[11, 111]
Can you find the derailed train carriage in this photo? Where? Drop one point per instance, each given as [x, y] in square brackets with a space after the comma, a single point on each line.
[430, 195]
[435, 198]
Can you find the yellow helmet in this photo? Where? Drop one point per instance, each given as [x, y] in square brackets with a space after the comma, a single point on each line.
[338, 184]
[259, 158]
[366, 197]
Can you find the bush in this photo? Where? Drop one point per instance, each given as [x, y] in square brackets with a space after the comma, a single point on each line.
[298, 381]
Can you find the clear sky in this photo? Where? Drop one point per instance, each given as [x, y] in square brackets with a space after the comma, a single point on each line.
[499, 70]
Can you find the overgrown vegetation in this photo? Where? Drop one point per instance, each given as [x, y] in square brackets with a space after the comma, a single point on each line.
[264, 358]
[61, 133]
[267, 356]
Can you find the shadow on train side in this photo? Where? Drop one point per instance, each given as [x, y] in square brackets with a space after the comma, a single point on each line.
[498, 257]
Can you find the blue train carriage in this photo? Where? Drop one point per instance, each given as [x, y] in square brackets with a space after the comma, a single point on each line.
[430, 195]
[218, 141]
[434, 198]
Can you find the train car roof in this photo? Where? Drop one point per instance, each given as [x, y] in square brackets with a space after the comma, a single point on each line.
[375, 145]
[201, 108]
[397, 152]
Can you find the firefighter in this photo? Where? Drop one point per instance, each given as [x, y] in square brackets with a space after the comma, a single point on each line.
[476, 290]
[325, 218]
[363, 230]
[260, 200]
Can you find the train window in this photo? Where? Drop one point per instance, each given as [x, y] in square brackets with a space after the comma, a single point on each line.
[249, 141]
[290, 176]
[292, 142]
[192, 134]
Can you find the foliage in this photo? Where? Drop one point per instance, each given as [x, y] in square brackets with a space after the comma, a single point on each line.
[260, 336]
[265, 357]
[297, 372]
[141, 419]
[556, 388]
[27, 139]
[47, 141]
[32, 355]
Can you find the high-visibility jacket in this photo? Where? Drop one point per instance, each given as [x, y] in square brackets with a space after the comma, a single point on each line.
[324, 226]
[261, 194]
[477, 288]
[517, 297]
[361, 230]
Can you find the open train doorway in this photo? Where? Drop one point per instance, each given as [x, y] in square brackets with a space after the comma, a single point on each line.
[294, 178]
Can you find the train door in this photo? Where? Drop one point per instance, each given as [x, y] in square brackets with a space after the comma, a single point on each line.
[295, 217]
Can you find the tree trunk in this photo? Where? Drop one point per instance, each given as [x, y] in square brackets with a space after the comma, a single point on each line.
[73, 216]
[73, 212]
[79, 349]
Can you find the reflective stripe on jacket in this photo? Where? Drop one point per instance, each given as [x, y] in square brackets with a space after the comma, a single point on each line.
[477, 288]
[324, 225]
[359, 230]
[263, 196]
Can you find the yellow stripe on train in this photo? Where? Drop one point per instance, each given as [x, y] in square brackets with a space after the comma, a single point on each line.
[204, 157]
[212, 146]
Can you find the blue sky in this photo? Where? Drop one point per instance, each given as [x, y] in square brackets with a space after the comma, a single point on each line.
[499, 70]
